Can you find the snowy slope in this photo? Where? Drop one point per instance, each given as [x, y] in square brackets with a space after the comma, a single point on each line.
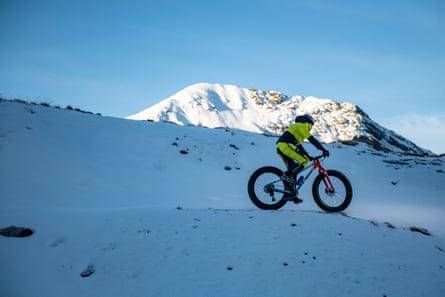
[156, 209]
[270, 112]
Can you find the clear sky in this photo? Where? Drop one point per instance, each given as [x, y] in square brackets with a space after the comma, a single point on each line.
[119, 57]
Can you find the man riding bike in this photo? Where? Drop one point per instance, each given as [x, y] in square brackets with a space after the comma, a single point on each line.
[292, 152]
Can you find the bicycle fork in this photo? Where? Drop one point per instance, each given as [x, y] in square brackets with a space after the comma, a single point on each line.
[329, 186]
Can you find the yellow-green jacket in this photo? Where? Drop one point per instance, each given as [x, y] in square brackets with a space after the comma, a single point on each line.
[290, 142]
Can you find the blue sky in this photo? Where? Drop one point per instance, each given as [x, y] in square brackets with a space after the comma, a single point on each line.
[119, 57]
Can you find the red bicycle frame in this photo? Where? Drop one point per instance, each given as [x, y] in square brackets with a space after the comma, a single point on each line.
[326, 180]
[316, 164]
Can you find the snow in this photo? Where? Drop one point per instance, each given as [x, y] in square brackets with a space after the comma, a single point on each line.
[270, 113]
[119, 198]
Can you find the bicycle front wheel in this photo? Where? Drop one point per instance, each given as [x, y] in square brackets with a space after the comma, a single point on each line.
[266, 188]
[336, 199]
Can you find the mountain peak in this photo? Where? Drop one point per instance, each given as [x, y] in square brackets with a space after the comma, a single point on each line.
[271, 112]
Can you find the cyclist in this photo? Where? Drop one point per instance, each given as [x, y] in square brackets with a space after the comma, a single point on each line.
[291, 151]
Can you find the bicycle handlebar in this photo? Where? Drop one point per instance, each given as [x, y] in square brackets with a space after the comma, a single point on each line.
[318, 157]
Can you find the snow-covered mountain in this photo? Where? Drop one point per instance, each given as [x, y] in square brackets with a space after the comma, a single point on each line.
[130, 208]
[270, 112]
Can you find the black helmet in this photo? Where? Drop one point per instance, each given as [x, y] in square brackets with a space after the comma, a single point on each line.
[306, 118]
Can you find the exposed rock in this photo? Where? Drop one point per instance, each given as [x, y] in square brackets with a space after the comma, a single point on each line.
[88, 271]
[14, 231]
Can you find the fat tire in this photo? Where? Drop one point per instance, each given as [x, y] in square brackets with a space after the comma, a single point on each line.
[280, 201]
[337, 178]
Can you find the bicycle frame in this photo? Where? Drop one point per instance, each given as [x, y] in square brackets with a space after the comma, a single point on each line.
[321, 170]
[316, 164]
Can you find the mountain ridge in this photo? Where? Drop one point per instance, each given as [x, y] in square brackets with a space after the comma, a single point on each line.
[271, 112]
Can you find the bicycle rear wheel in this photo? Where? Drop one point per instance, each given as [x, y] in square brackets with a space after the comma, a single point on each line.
[332, 200]
[266, 188]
